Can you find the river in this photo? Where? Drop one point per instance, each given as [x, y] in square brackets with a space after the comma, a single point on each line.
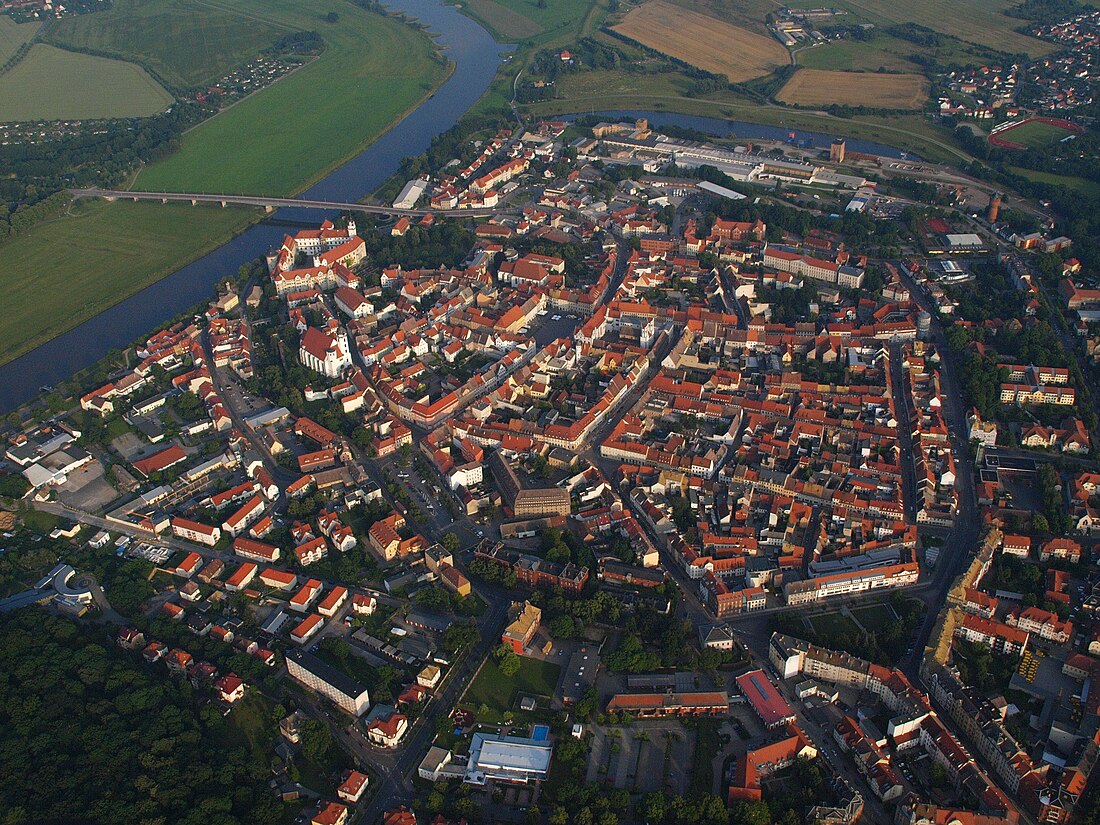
[476, 56]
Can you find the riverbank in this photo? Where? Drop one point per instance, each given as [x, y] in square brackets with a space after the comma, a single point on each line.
[76, 266]
[912, 133]
[475, 58]
[69, 270]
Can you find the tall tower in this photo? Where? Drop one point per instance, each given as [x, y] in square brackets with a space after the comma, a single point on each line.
[994, 207]
[836, 150]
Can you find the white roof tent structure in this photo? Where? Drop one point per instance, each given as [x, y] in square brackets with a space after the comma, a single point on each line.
[507, 759]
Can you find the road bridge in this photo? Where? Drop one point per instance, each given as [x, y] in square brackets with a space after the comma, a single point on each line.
[272, 203]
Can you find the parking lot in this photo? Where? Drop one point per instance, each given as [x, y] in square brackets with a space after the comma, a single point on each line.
[619, 756]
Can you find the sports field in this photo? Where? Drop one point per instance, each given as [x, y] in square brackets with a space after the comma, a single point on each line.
[279, 140]
[185, 42]
[1034, 134]
[71, 268]
[703, 41]
[817, 87]
[53, 84]
[13, 35]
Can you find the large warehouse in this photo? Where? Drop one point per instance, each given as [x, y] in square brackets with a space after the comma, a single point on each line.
[507, 759]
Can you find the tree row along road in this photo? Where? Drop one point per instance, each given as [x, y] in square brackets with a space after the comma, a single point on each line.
[273, 203]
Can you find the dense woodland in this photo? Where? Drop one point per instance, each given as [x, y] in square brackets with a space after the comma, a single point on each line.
[90, 734]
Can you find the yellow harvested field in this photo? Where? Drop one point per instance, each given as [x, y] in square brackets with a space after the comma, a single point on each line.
[818, 87]
[703, 41]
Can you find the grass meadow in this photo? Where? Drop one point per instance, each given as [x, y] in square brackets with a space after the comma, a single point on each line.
[71, 268]
[283, 138]
[54, 84]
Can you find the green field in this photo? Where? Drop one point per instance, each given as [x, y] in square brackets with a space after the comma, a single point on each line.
[1090, 187]
[503, 22]
[976, 21]
[278, 141]
[884, 51]
[53, 84]
[69, 269]
[1034, 134]
[519, 20]
[499, 693]
[13, 35]
[185, 42]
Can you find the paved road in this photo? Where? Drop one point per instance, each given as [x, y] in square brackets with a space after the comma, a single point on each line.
[962, 540]
[395, 768]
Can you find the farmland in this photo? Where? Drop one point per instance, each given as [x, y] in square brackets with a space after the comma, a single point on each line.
[976, 21]
[13, 35]
[71, 268]
[184, 42]
[703, 41]
[817, 87]
[887, 52]
[748, 14]
[372, 70]
[53, 84]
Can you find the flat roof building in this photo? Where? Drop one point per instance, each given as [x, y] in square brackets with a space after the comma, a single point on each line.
[507, 759]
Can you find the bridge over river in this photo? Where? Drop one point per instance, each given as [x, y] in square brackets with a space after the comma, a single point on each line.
[271, 204]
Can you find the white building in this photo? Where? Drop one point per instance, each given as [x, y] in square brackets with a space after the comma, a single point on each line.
[325, 353]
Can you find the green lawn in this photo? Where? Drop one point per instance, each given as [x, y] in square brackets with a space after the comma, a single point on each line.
[1080, 184]
[280, 140]
[13, 35]
[53, 84]
[499, 693]
[71, 268]
[186, 42]
[874, 616]
[1035, 134]
[833, 624]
